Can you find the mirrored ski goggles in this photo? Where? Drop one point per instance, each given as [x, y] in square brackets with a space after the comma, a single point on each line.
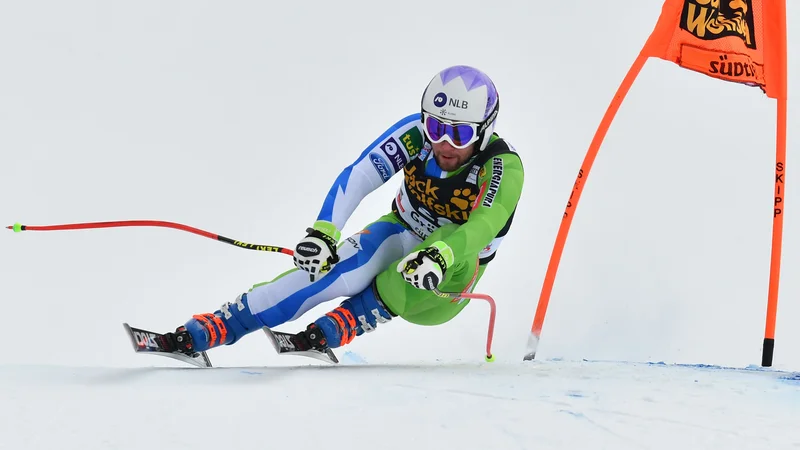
[459, 134]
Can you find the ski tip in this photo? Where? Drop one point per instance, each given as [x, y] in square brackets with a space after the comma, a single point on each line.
[129, 332]
[198, 359]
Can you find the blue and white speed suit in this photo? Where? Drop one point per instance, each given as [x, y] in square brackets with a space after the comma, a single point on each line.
[362, 256]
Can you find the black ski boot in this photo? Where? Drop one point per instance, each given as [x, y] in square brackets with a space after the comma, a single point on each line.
[309, 342]
[311, 338]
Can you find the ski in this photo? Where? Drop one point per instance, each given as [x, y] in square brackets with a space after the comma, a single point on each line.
[145, 342]
[284, 346]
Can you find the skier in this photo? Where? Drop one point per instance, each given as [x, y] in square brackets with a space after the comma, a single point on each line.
[460, 190]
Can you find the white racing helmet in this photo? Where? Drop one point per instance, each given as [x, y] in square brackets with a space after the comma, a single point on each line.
[460, 105]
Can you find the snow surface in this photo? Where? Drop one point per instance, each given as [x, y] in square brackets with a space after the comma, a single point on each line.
[467, 405]
[236, 117]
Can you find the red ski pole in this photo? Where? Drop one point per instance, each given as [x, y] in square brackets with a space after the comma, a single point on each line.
[151, 223]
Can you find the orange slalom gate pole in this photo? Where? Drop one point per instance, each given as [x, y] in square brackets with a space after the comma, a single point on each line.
[572, 203]
[777, 233]
[778, 61]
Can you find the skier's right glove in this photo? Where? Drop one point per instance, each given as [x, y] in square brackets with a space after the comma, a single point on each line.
[316, 253]
[425, 269]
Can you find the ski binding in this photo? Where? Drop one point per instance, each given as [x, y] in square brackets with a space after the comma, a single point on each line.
[284, 346]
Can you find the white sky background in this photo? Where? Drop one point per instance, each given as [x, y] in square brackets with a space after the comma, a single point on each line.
[236, 117]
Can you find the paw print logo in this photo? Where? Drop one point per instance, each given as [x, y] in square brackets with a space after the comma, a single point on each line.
[463, 198]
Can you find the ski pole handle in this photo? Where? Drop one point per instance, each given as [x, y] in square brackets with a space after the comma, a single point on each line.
[152, 223]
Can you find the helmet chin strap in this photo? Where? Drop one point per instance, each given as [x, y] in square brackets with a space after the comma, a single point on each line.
[487, 126]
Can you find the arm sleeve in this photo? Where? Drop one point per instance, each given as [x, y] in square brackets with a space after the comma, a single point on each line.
[383, 158]
[500, 191]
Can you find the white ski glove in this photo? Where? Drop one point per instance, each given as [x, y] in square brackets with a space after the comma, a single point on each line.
[316, 253]
[425, 269]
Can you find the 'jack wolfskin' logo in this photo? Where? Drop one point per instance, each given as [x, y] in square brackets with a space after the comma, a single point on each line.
[463, 198]
[427, 195]
[714, 19]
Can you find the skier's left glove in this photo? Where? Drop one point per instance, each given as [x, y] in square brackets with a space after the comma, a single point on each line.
[426, 268]
[316, 253]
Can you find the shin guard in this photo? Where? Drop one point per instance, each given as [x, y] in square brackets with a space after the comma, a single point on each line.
[224, 326]
[353, 317]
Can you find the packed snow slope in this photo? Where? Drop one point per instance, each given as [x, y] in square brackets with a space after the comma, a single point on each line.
[237, 117]
[434, 405]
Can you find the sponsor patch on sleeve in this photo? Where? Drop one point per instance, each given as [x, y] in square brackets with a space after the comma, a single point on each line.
[381, 166]
[412, 141]
[393, 151]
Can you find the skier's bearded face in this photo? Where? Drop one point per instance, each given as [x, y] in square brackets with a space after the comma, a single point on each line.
[450, 158]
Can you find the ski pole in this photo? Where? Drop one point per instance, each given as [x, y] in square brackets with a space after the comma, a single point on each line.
[151, 223]
[493, 312]
[17, 228]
